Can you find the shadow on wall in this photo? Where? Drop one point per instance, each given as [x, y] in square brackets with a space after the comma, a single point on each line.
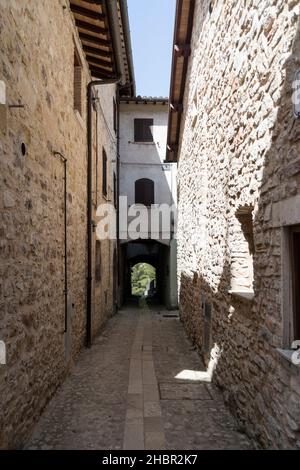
[255, 380]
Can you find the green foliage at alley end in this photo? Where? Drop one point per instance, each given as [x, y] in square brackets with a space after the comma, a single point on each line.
[141, 276]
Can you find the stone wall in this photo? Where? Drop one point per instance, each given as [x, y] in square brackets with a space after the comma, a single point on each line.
[37, 41]
[105, 287]
[240, 153]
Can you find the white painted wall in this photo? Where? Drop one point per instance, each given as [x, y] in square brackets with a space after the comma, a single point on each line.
[146, 160]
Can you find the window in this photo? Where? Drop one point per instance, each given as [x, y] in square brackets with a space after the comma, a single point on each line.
[295, 271]
[98, 261]
[144, 192]
[115, 116]
[104, 173]
[77, 83]
[242, 253]
[143, 130]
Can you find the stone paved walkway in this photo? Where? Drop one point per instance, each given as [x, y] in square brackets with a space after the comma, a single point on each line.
[123, 394]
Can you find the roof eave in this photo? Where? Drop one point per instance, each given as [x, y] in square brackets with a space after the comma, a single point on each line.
[181, 49]
[120, 35]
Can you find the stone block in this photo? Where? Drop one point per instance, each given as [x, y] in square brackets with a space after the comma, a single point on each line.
[8, 200]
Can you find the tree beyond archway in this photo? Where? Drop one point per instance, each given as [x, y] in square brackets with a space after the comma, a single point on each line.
[143, 280]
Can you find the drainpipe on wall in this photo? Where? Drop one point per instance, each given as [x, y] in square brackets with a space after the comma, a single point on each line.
[90, 202]
[64, 160]
[118, 196]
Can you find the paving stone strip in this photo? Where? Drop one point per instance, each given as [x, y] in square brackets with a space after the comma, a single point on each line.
[144, 425]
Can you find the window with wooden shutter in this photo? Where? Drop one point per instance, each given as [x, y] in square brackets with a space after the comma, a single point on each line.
[143, 130]
[144, 192]
[98, 261]
[77, 84]
[104, 173]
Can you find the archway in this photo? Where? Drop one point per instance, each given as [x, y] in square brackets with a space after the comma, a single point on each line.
[150, 252]
[143, 280]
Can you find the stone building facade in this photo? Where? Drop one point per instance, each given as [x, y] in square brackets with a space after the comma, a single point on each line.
[239, 191]
[48, 55]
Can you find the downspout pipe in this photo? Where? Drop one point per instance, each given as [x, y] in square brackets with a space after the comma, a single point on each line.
[64, 160]
[90, 202]
[118, 198]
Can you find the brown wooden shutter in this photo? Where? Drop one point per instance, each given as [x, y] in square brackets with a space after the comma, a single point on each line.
[143, 130]
[144, 192]
[77, 83]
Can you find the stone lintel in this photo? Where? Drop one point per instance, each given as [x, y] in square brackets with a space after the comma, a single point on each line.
[286, 212]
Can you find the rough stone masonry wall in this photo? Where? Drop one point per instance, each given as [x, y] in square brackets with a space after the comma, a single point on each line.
[103, 289]
[240, 148]
[36, 64]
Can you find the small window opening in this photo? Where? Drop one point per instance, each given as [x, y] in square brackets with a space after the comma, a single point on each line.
[98, 261]
[242, 251]
[77, 83]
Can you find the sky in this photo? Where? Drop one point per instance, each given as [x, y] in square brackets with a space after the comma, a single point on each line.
[152, 27]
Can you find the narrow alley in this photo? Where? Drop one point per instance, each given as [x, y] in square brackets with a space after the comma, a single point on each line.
[149, 225]
[123, 394]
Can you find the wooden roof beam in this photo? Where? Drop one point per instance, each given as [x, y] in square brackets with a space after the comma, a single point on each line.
[183, 50]
[97, 61]
[86, 12]
[96, 51]
[176, 107]
[100, 73]
[90, 27]
[95, 40]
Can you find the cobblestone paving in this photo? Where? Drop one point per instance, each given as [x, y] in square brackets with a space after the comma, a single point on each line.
[194, 413]
[122, 393]
[88, 412]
